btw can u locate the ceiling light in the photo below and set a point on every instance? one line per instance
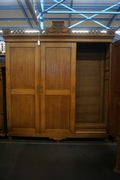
(80, 31)
(118, 32)
(104, 32)
(32, 31)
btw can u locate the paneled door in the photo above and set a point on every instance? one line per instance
(58, 89)
(114, 90)
(22, 80)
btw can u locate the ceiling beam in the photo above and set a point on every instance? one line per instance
(40, 11)
(40, 16)
(31, 10)
(82, 12)
(86, 7)
(24, 12)
(71, 5)
(113, 18)
(40, 7)
(88, 17)
(57, 18)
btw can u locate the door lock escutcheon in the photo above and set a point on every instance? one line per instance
(40, 89)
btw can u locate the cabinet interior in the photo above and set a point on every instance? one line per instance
(92, 77)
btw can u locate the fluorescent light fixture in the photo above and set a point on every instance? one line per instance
(1, 31)
(18, 31)
(80, 31)
(104, 32)
(32, 31)
(118, 32)
(88, 31)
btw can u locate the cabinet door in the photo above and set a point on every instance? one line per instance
(114, 90)
(58, 86)
(22, 71)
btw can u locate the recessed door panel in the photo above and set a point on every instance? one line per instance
(58, 83)
(22, 70)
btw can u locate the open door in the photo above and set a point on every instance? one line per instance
(114, 90)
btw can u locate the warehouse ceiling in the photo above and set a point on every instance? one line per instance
(77, 14)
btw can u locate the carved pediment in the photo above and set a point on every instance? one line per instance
(58, 28)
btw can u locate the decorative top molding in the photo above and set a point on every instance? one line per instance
(110, 32)
(6, 32)
(58, 28)
(20, 32)
(94, 32)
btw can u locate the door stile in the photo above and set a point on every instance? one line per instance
(37, 85)
(42, 84)
(73, 87)
(8, 88)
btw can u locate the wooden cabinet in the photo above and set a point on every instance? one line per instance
(60, 88)
(2, 97)
(40, 92)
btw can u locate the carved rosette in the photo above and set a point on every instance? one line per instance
(58, 28)
(6, 32)
(110, 32)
